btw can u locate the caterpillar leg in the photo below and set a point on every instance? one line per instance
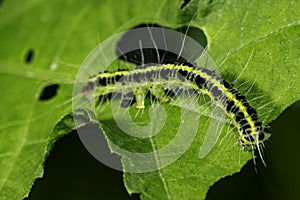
(140, 99)
(159, 93)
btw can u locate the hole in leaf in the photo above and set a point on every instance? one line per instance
(185, 3)
(195, 33)
(137, 39)
(49, 92)
(29, 56)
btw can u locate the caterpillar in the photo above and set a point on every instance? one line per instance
(158, 77)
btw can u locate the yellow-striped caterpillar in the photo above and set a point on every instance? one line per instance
(159, 78)
(168, 73)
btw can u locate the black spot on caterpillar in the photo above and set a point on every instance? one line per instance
(156, 79)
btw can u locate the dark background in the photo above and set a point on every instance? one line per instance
(72, 173)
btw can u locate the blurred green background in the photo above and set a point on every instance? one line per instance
(72, 173)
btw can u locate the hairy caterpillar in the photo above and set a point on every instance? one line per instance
(156, 78)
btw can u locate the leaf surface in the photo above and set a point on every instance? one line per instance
(60, 34)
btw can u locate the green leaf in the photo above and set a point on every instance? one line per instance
(253, 45)
(266, 41)
(62, 33)
(188, 177)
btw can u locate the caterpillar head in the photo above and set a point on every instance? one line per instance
(253, 140)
